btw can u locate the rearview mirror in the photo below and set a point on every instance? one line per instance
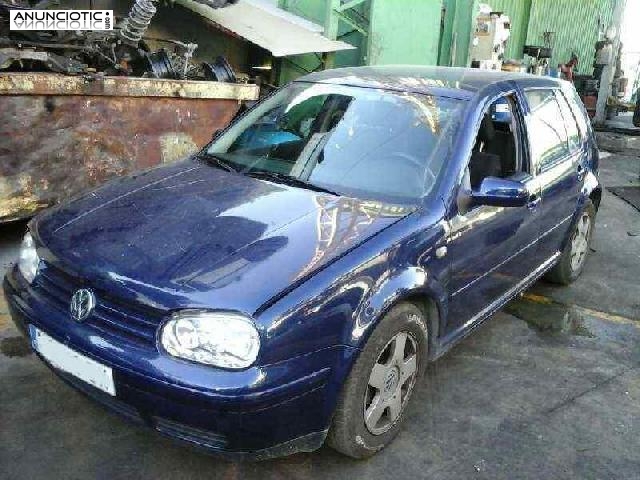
(500, 192)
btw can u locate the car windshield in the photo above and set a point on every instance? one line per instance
(359, 142)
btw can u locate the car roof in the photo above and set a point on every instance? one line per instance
(440, 81)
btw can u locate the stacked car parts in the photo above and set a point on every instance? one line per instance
(122, 51)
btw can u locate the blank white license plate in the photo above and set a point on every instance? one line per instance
(72, 362)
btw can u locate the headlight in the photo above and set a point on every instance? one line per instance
(227, 340)
(29, 260)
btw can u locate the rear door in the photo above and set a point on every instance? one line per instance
(556, 153)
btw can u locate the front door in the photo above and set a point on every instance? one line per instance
(492, 249)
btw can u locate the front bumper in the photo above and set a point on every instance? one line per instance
(260, 412)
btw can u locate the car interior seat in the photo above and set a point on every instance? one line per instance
(494, 154)
(484, 163)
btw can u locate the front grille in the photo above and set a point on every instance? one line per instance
(111, 317)
(199, 437)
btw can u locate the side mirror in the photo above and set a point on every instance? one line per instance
(500, 192)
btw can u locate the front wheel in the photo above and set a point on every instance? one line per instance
(374, 398)
(575, 253)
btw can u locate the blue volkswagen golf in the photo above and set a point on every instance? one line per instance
(288, 284)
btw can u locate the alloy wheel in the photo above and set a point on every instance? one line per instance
(580, 242)
(390, 383)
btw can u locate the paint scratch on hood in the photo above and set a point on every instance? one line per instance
(119, 197)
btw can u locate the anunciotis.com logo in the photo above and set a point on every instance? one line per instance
(61, 19)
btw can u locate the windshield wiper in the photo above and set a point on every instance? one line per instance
(274, 176)
(289, 180)
(217, 161)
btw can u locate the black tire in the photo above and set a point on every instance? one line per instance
(349, 434)
(564, 273)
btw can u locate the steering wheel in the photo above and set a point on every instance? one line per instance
(420, 166)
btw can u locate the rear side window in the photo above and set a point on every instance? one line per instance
(547, 132)
(578, 111)
(570, 122)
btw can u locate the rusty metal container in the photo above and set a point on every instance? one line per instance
(61, 134)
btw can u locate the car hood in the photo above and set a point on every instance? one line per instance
(191, 235)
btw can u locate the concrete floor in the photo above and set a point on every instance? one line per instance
(549, 388)
(623, 122)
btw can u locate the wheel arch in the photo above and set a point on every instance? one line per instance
(413, 284)
(431, 310)
(591, 190)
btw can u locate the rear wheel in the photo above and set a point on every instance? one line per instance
(374, 397)
(575, 253)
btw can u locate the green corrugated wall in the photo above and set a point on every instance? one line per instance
(576, 23)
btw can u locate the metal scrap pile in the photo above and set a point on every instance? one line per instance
(122, 51)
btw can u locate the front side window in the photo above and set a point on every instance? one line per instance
(547, 132)
(496, 152)
(359, 142)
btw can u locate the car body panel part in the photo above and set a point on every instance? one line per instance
(303, 231)
(157, 386)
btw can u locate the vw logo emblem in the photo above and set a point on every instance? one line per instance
(82, 304)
